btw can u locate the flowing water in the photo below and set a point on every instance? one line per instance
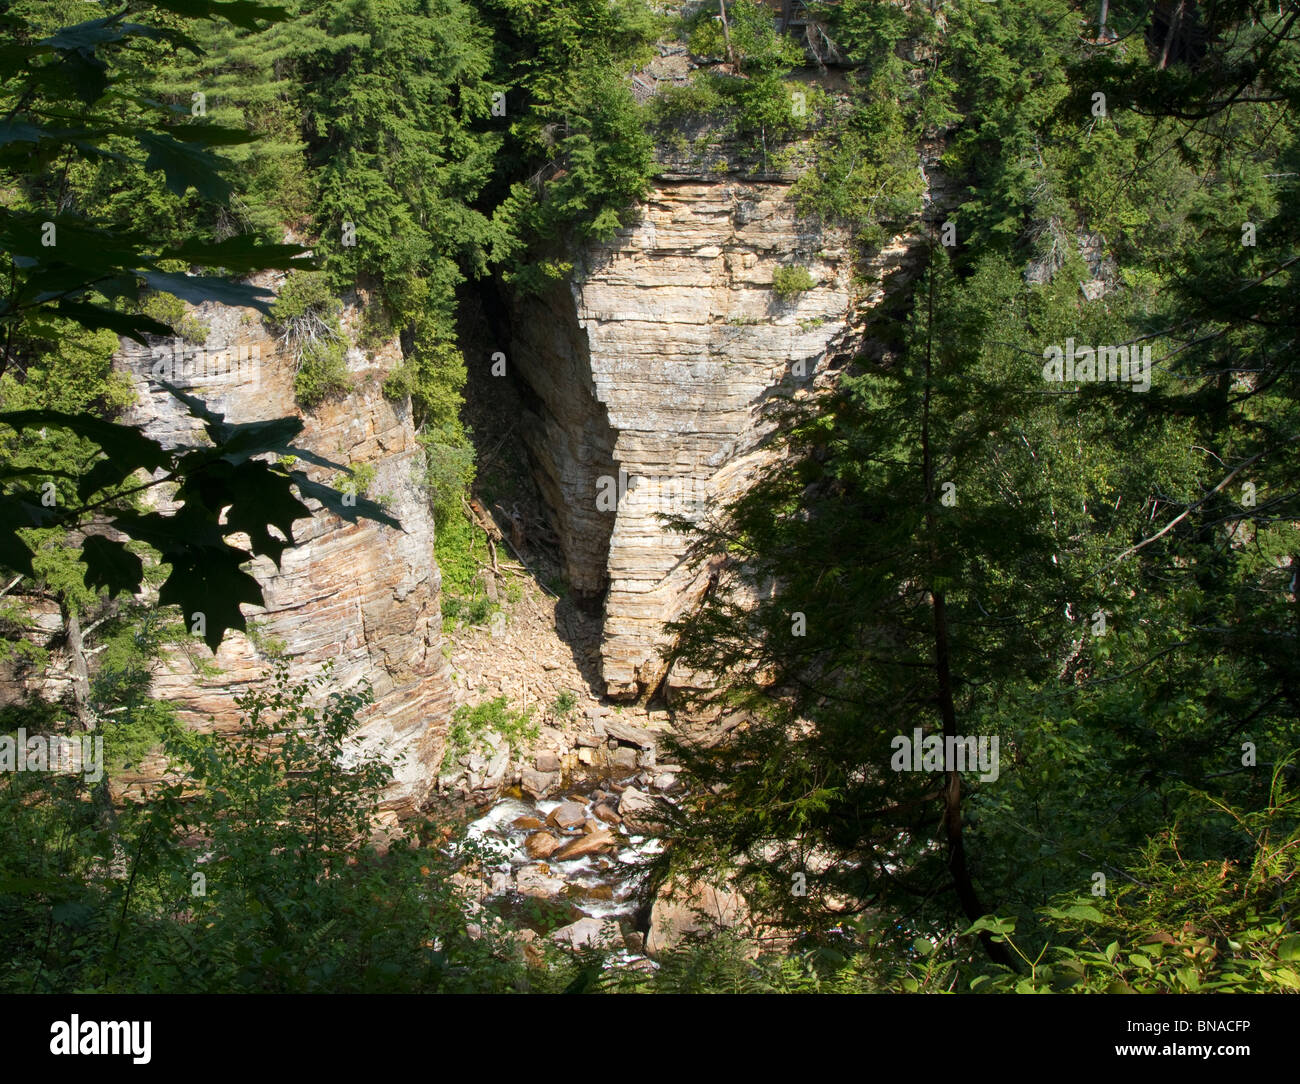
(546, 894)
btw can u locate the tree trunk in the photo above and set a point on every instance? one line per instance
(1175, 21)
(101, 796)
(77, 665)
(726, 35)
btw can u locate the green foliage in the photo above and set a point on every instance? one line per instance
(564, 704)
(1204, 909)
(789, 282)
(170, 310)
(458, 548)
(462, 556)
(470, 727)
(755, 45)
(469, 611)
(700, 100)
(748, 99)
(322, 373)
(449, 470)
(255, 871)
(70, 115)
(864, 171)
(358, 483)
(305, 316)
(577, 150)
(972, 613)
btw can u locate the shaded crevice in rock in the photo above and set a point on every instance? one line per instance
(566, 430)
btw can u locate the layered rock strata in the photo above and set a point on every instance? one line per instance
(362, 596)
(649, 371)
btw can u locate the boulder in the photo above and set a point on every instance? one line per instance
(495, 775)
(541, 845)
(528, 824)
(623, 758)
(639, 812)
(695, 907)
(567, 815)
(547, 762)
(537, 881)
(597, 841)
(538, 784)
(632, 735)
(606, 812)
(588, 933)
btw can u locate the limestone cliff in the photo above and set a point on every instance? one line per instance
(363, 595)
(649, 370)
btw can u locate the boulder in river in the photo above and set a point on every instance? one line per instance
(541, 845)
(567, 815)
(597, 841)
(588, 932)
(537, 881)
(638, 811)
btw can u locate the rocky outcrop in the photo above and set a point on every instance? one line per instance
(649, 372)
(362, 596)
(679, 911)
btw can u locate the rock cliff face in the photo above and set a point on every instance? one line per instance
(649, 371)
(363, 596)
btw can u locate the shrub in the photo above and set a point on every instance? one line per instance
(789, 282)
(272, 826)
(322, 372)
(472, 611)
(306, 316)
(170, 310)
(471, 725)
(448, 471)
(358, 483)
